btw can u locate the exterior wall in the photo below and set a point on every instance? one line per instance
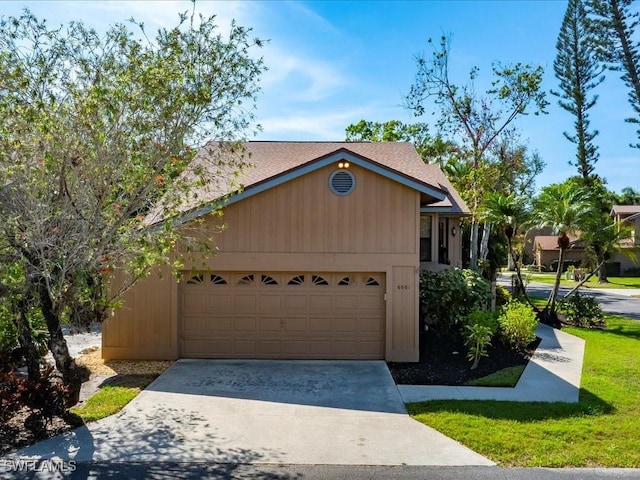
(545, 257)
(298, 226)
(625, 262)
(145, 327)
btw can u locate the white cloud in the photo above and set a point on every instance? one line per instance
(312, 125)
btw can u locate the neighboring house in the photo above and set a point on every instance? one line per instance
(629, 214)
(546, 251)
(545, 247)
(319, 260)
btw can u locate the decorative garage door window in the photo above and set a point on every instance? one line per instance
(285, 280)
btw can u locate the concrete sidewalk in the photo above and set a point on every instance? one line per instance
(552, 375)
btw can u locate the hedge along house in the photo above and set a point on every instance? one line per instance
(319, 259)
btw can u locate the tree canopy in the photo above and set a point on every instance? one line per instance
(94, 130)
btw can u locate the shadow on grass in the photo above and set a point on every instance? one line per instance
(623, 331)
(589, 405)
(129, 380)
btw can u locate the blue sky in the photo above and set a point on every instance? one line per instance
(333, 63)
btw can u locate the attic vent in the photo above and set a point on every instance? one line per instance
(342, 182)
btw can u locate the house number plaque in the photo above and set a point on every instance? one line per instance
(403, 287)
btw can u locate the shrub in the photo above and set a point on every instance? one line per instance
(581, 310)
(503, 296)
(479, 330)
(450, 295)
(518, 324)
(632, 272)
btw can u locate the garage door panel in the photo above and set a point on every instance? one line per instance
(244, 325)
(322, 302)
(276, 315)
(371, 325)
(346, 302)
(345, 324)
(269, 324)
(320, 324)
(243, 303)
(295, 324)
(295, 302)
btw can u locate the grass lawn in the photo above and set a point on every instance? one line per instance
(614, 282)
(112, 398)
(603, 429)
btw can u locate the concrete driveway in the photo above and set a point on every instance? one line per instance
(263, 412)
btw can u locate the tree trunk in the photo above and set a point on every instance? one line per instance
(473, 245)
(602, 271)
(551, 304)
(484, 244)
(72, 376)
(25, 339)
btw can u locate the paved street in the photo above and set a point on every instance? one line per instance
(185, 471)
(612, 301)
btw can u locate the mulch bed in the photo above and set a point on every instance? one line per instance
(443, 361)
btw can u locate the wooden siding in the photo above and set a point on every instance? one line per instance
(146, 326)
(304, 216)
(298, 226)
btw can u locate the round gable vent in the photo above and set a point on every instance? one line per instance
(342, 182)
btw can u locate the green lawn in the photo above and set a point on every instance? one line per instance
(614, 282)
(603, 429)
(112, 398)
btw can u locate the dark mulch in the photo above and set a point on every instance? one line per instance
(23, 428)
(443, 361)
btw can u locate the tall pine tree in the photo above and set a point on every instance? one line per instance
(612, 26)
(578, 71)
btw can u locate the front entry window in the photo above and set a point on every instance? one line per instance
(425, 238)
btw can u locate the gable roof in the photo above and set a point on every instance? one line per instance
(550, 242)
(618, 209)
(271, 163)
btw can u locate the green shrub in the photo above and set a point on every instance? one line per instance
(450, 295)
(581, 310)
(503, 296)
(518, 324)
(480, 327)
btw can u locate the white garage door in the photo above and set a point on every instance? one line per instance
(282, 315)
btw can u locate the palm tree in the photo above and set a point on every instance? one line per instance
(565, 208)
(509, 213)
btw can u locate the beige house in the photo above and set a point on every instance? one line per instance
(545, 247)
(546, 251)
(629, 214)
(319, 260)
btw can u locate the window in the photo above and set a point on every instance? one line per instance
(218, 280)
(318, 280)
(297, 280)
(246, 280)
(196, 279)
(267, 280)
(345, 281)
(425, 238)
(372, 282)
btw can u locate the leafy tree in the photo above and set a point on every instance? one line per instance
(94, 131)
(612, 25)
(628, 196)
(510, 213)
(430, 148)
(564, 208)
(475, 121)
(578, 71)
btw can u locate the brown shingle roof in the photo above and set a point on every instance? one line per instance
(625, 209)
(267, 160)
(550, 242)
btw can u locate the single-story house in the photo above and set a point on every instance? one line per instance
(319, 259)
(546, 251)
(545, 247)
